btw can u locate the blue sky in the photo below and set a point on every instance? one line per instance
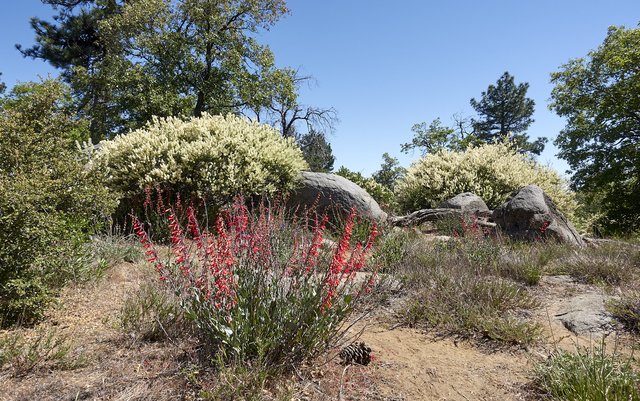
(388, 65)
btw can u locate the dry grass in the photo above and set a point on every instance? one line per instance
(117, 337)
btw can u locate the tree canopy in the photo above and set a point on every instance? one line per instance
(505, 111)
(317, 152)
(130, 60)
(435, 136)
(390, 172)
(599, 95)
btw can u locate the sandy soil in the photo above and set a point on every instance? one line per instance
(407, 365)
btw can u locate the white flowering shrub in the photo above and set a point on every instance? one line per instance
(491, 171)
(212, 156)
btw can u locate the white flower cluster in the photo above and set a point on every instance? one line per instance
(491, 171)
(217, 156)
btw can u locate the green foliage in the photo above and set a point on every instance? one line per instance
(436, 137)
(212, 156)
(505, 112)
(380, 193)
(491, 171)
(152, 314)
(390, 172)
(316, 150)
(130, 60)
(588, 375)
(599, 97)
(49, 203)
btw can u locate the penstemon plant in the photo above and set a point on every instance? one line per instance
(261, 286)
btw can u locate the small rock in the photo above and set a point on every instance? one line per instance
(467, 202)
(585, 314)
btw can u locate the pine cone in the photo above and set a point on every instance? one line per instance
(357, 353)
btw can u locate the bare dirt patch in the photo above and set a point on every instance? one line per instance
(407, 364)
(112, 368)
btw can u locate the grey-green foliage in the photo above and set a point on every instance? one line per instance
(49, 204)
(600, 98)
(591, 374)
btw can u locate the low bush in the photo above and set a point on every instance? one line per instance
(49, 203)
(458, 290)
(609, 264)
(113, 249)
(491, 171)
(626, 310)
(22, 354)
(589, 374)
(151, 313)
(258, 287)
(393, 249)
(462, 304)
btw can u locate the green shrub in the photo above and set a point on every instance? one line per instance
(588, 375)
(392, 249)
(112, 249)
(211, 157)
(491, 171)
(382, 194)
(49, 203)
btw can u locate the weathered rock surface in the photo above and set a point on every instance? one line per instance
(335, 195)
(467, 202)
(585, 314)
(530, 214)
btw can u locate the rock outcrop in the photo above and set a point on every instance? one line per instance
(467, 202)
(335, 195)
(530, 214)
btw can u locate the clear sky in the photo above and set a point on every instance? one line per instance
(386, 65)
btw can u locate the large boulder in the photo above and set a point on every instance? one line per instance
(335, 195)
(467, 202)
(531, 215)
